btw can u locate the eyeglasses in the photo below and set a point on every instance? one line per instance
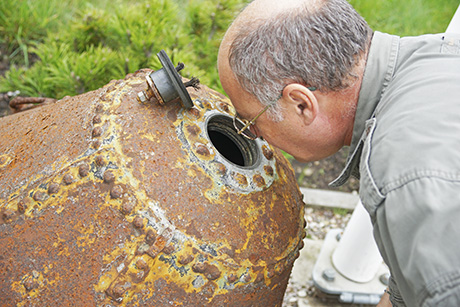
(243, 127)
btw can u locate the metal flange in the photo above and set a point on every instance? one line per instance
(166, 84)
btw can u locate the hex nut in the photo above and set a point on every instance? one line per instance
(329, 274)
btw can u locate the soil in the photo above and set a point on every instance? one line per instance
(318, 174)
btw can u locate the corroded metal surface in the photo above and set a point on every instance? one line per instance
(109, 202)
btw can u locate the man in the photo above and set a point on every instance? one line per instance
(310, 76)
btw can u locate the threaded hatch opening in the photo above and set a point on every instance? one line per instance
(232, 146)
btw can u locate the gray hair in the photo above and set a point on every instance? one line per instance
(319, 48)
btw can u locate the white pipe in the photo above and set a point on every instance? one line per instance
(357, 256)
(454, 25)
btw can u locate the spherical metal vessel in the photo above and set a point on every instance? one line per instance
(106, 201)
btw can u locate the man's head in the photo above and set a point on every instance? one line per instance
(273, 54)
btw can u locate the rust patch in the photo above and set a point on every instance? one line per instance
(137, 216)
(268, 170)
(258, 180)
(240, 178)
(53, 188)
(202, 150)
(268, 153)
(193, 129)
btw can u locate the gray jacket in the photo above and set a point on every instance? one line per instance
(406, 151)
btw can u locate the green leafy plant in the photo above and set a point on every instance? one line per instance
(102, 44)
(66, 47)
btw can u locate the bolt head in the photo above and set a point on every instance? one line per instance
(142, 97)
(385, 279)
(329, 274)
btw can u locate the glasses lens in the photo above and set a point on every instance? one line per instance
(239, 125)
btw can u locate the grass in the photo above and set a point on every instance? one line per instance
(408, 17)
(79, 45)
(82, 49)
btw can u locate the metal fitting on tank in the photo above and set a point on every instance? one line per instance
(166, 84)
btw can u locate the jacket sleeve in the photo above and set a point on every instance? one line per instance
(417, 228)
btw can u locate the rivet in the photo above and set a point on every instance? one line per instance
(97, 131)
(385, 278)
(127, 207)
(338, 236)
(246, 278)
(150, 237)
(116, 192)
(22, 206)
(99, 107)
(270, 273)
(297, 254)
(268, 153)
(220, 168)
(83, 170)
(268, 170)
(152, 252)
(228, 251)
(5, 160)
(185, 259)
(109, 177)
(172, 115)
(304, 234)
(118, 291)
(198, 267)
(202, 150)
(7, 215)
(138, 222)
(260, 277)
(193, 130)
(224, 107)
(141, 264)
(240, 178)
(53, 188)
(210, 271)
(301, 244)
(194, 112)
(168, 250)
(258, 180)
(279, 269)
(39, 196)
(329, 274)
(68, 179)
(232, 278)
(213, 272)
(254, 258)
(100, 160)
(97, 144)
(28, 284)
(97, 119)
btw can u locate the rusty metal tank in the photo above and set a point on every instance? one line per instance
(106, 201)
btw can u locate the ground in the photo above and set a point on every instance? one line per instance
(319, 174)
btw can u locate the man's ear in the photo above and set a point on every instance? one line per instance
(301, 100)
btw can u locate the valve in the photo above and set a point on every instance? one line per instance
(166, 84)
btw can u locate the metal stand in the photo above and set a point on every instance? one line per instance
(349, 265)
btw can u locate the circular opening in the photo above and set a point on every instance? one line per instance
(232, 146)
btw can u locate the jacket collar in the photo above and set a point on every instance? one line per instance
(380, 66)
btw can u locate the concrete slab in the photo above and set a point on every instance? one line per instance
(330, 199)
